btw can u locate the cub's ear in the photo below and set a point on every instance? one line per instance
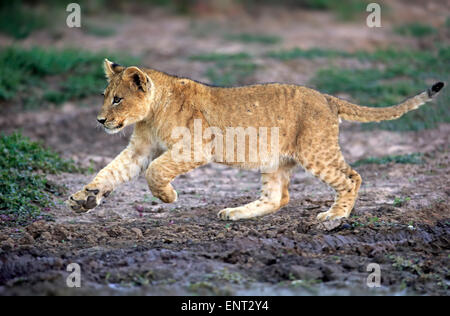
(111, 68)
(137, 78)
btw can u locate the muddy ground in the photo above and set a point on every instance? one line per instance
(134, 244)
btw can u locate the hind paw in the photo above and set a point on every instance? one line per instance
(233, 214)
(331, 215)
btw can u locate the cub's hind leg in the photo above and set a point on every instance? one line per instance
(320, 154)
(341, 177)
(346, 182)
(274, 196)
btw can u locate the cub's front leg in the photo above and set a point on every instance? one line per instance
(161, 173)
(127, 165)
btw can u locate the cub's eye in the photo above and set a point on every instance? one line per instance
(117, 100)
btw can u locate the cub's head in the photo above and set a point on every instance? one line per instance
(127, 97)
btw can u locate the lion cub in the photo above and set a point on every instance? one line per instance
(180, 124)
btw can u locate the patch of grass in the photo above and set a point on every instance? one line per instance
(399, 201)
(130, 279)
(220, 57)
(19, 21)
(202, 286)
(254, 38)
(415, 29)
(344, 9)
(24, 190)
(98, 30)
(227, 69)
(415, 158)
(307, 53)
(224, 275)
(402, 74)
(230, 73)
(403, 264)
(36, 76)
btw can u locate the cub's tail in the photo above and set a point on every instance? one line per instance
(352, 112)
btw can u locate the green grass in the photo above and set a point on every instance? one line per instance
(38, 76)
(307, 54)
(19, 21)
(220, 57)
(227, 69)
(25, 193)
(415, 158)
(233, 73)
(249, 38)
(415, 29)
(98, 30)
(403, 74)
(399, 201)
(343, 9)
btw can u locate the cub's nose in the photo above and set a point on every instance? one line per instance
(101, 120)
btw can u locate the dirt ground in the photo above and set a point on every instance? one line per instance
(134, 244)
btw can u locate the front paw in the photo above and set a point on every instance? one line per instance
(86, 199)
(166, 194)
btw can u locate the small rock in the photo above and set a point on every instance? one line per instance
(147, 232)
(329, 273)
(303, 228)
(46, 236)
(61, 233)
(90, 239)
(93, 264)
(138, 232)
(305, 273)
(27, 239)
(346, 226)
(330, 225)
(8, 244)
(35, 229)
(349, 264)
(58, 263)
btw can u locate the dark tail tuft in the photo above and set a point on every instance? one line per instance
(435, 88)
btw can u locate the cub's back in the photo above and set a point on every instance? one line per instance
(265, 105)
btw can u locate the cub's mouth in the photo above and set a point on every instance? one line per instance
(113, 129)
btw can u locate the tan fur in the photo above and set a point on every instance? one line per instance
(157, 103)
